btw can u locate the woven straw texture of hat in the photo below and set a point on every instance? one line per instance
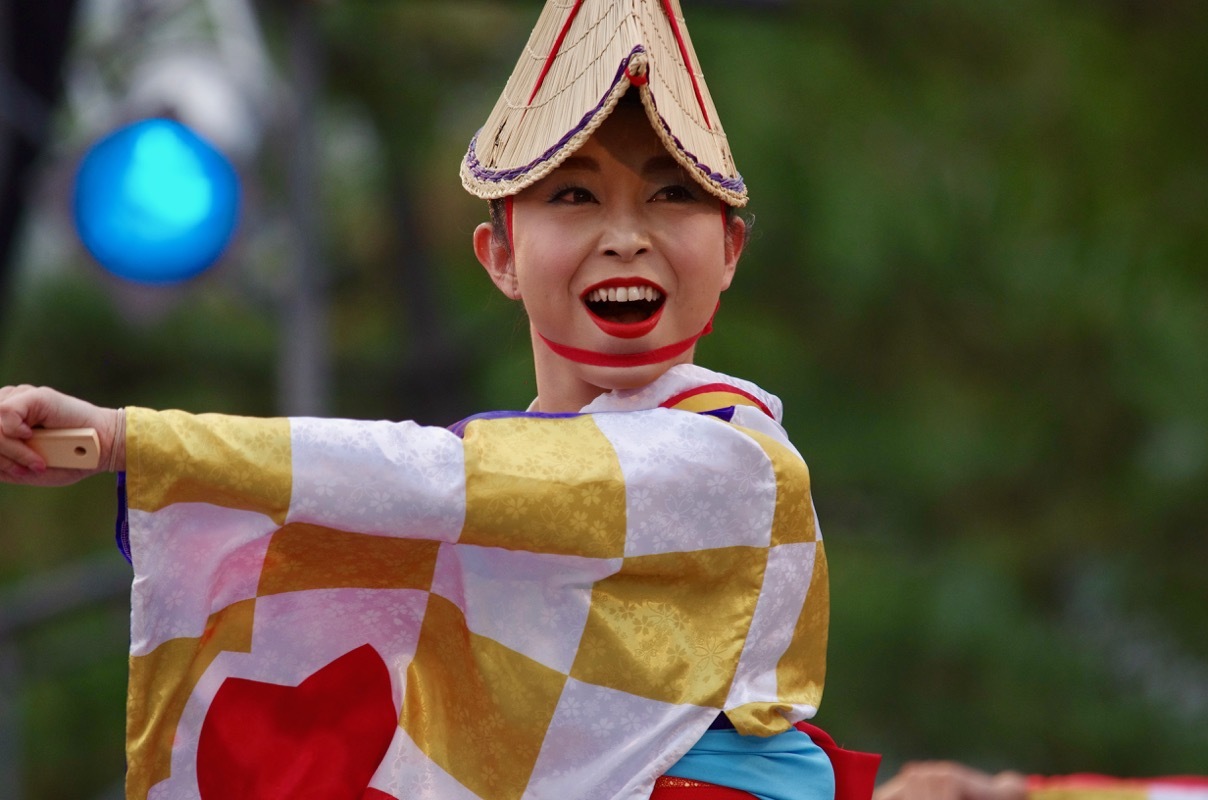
(582, 56)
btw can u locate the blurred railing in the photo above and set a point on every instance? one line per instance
(32, 605)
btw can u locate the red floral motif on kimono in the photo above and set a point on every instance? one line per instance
(321, 739)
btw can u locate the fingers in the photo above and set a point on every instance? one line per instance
(920, 782)
(8, 467)
(17, 459)
(1011, 785)
(948, 780)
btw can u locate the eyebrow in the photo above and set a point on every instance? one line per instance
(663, 163)
(655, 165)
(585, 163)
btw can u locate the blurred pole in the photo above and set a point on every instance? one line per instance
(34, 39)
(304, 370)
(10, 721)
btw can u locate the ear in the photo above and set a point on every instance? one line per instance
(736, 240)
(496, 259)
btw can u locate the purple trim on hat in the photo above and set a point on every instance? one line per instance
(500, 176)
(734, 184)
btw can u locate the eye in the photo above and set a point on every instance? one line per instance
(572, 195)
(675, 193)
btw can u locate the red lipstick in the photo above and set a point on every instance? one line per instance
(625, 328)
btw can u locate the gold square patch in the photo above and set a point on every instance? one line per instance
(671, 626)
(234, 462)
(302, 556)
(544, 485)
(475, 707)
(793, 518)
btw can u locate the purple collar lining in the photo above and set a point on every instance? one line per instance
(726, 414)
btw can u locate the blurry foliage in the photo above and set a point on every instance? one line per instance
(977, 278)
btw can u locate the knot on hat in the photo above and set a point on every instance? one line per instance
(636, 69)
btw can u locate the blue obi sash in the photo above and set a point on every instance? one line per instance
(787, 766)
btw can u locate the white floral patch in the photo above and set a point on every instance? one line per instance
(728, 500)
(580, 758)
(408, 774)
(389, 478)
(533, 603)
(191, 560)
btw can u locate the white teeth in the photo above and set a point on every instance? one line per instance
(623, 294)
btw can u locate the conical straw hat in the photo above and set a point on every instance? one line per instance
(581, 58)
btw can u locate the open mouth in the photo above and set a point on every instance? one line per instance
(624, 308)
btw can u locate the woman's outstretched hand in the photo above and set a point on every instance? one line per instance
(948, 780)
(24, 408)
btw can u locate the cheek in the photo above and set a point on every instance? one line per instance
(547, 258)
(537, 241)
(701, 254)
(544, 285)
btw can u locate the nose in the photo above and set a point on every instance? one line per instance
(625, 236)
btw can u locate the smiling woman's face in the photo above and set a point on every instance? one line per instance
(619, 257)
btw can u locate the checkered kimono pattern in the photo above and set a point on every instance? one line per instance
(526, 606)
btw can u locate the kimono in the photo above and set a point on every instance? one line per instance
(523, 606)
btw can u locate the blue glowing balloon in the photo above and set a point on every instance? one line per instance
(155, 203)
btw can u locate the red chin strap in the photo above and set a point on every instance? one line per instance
(645, 358)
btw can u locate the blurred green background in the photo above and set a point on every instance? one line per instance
(978, 280)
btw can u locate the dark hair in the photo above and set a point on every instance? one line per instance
(499, 224)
